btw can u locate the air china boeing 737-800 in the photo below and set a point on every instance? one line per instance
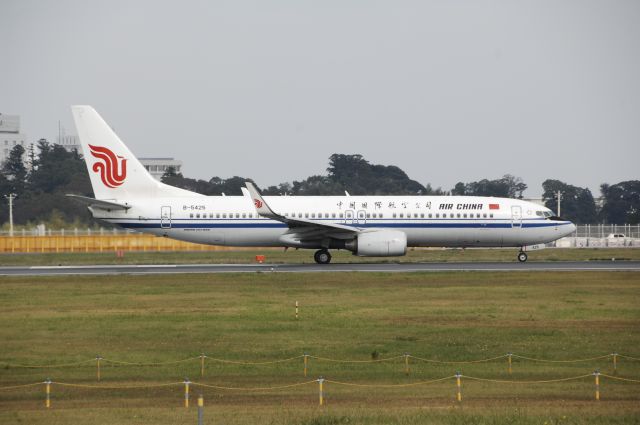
(377, 226)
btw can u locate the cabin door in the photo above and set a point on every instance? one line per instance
(165, 217)
(516, 216)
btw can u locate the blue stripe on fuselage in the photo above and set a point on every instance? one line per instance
(271, 225)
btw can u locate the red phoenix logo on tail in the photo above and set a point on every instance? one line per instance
(257, 203)
(112, 168)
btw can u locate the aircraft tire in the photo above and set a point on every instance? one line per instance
(322, 256)
(522, 257)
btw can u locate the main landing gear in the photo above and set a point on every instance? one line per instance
(522, 256)
(322, 256)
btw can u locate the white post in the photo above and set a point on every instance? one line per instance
(559, 198)
(10, 197)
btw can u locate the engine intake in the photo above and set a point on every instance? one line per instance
(380, 243)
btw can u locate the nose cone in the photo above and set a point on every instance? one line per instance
(570, 228)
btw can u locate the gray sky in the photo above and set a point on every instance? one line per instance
(446, 90)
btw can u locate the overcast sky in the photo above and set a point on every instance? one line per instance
(447, 90)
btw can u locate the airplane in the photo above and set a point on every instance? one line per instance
(370, 226)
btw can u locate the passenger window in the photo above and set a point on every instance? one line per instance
(313, 215)
(368, 215)
(237, 215)
(484, 215)
(394, 215)
(437, 215)
(458, 215)
(197, 215)
(464, 215)
(490, 215)
(299, 215)
(430, 215)
(380, 215)
(250, 215)
(333, 215)
(341, 215)
(401, 215)
(190, 215)
(217, 215)
(306, 215)
(244, 215)
(421, 215)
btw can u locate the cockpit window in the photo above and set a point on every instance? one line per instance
(544, 214)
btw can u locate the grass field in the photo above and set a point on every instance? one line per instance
(250, 317)
(278, 256)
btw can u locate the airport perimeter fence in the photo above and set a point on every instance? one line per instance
(38, 240)
(115, 242)
(322, 382)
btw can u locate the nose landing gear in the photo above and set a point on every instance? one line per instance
(522, 256)
(322, 256)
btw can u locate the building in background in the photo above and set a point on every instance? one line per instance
(10, 135)
(70, 142)
(157, 166)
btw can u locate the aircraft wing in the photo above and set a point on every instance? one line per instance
(300, 228)
(98, 203)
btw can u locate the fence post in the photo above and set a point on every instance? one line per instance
(186, 392)
(458, 386)
(596, 374)
(406, 364)
(47, 390)
(306, 361)
(202, 357)
(296, 310)
(98, 358)
(321, 391)
(615, 363)
(509, 356)
(200, 409)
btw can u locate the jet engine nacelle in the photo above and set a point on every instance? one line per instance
(380, 243)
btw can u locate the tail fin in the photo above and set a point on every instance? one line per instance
(115, 173)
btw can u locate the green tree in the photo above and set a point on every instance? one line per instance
(621, 202)
(577, 203)
(357, 176)
(15, 170)
(507, 186)
(459, 189)
(56, 168)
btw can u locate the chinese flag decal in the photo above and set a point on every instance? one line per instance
(494, 206)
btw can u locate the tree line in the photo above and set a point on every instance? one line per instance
(41, 181)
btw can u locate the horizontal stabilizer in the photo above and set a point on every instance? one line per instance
(97, 203)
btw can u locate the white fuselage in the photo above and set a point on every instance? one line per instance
(447, 221)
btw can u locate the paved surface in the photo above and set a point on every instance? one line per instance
(313, 268)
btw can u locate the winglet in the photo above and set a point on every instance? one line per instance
(259, 202)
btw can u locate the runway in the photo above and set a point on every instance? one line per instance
(315, 268)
